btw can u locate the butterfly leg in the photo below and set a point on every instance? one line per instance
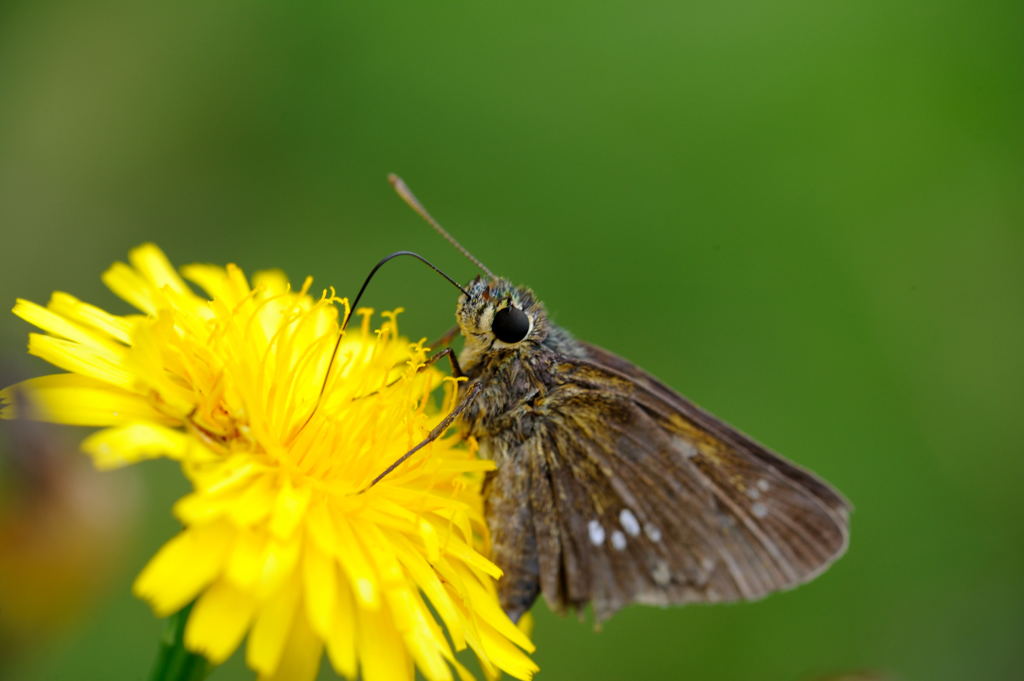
(435, 433)
(446, 339)
(450, 354)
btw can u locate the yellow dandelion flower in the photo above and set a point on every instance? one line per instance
(280, 540)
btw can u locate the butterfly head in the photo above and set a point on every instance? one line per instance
(494, 314)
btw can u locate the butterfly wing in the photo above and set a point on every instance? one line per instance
(624, 492)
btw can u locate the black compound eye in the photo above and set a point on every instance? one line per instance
(510, 325)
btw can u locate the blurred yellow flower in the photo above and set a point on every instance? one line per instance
(280, 542)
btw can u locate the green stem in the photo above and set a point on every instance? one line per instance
(173, 661)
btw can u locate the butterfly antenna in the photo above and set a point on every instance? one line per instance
(403, 191)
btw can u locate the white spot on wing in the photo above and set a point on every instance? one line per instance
(629, 522)
(685, 447)
(618, 540)
(661, 574)
(763, 485)
(759, 510)
(596, 532)
(753, 492)
(652, 532)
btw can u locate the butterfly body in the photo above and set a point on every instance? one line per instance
(612, 489)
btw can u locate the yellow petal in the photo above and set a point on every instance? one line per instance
(383, 553)
(80, 359)
(465, 553)
(218, 621)
(254, 502)
(278, 564)
(127, 444)
(503, 654)
(426, 642)
(382, 655)
(428, 581)
(182, 567)
(196, 508)
(216, 282)
(486, 607)
(156, 360)
(260, 564)
(270, 630)
(271, 282)
(525, 624)
(341, 637)
(59, 325)
(302, 650)
(320, 578)
(232, 486)
(151, 262)
(235, 474)
(79, 401)
(245, 560)
(289, 509)
(130, 287)
(335, 537)
(118, 328)
(431, 542)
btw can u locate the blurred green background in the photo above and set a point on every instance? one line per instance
(806, 216)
